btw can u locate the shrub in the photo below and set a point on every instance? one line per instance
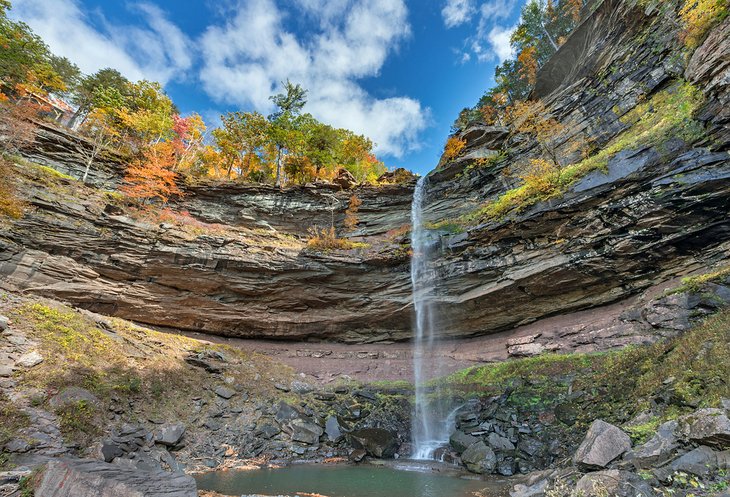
(326, 239)
(351, 219)
(453, 148)
(10, 205)
(699, 16)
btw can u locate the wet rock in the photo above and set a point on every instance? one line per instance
(708, 427)
(170, 435)
(225, 392)
(612, 482)
(333, 429)
(659, 449)
(306, 432)
(460, 441)
(479, 458)
(71, 396)
(78, 478)
(534, 490)
(357, 455)
(376, 441)
(603, 444)
(30, 360)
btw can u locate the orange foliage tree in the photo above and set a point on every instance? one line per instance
(528, 64)
(454, 146)
(151, 177)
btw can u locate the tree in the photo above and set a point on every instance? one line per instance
(69, 73)
(87, 93)
(282, 130)
(151, 177)
(101, 133)
(241, 140)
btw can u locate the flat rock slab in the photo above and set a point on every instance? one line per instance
(603, 443)
(80, 478)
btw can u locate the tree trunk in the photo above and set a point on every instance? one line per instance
(277, 181)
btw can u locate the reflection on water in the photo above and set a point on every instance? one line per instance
(343, 481)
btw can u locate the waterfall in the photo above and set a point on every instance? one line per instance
(430, 424)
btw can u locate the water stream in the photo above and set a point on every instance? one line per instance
(432, 422)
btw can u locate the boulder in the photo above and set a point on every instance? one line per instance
(357, 455)
(612, 482)
(225, 392)
(499, 443)
(376, 441)
(301, 387)
(4, 323)
(30, 360)
(305, 431)
(700, 462)
(460, 441)
(79, 478)
(72, 395)
(659, 449)
(602, 444)
(479, 458)
(169, 435)
(707, 427)
(285, 412)
(344, 179)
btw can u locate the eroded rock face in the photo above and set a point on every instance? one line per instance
(658, 213)
(77, 478)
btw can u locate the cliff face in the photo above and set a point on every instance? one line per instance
(659, 212)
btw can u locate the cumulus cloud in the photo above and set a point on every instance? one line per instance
(457, 12)
(246, 59)
(499, 39)
(156, 50)
(490, 39)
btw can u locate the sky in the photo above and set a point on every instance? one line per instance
(398, 71)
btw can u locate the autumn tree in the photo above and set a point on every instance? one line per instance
(151, 176)
(101, 133)
(241, 141)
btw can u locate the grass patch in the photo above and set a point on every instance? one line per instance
(694, 284)
(669, 114)
(326, 239)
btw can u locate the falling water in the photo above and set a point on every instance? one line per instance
(430, 425)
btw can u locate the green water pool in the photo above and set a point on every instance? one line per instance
(346, 481)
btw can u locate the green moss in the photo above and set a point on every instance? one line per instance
(643, 432)
(79, 421)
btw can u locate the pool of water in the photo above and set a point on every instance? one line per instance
(346, 481)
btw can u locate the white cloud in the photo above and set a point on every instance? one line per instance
(156, 50)
(457, 12)
(490, 39)
(499, 38)
(247, 58)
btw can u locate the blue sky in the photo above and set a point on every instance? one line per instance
(398, 71)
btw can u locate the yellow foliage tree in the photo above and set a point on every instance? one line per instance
(453, 148)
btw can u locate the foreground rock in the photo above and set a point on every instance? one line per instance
(603, 443)
(78, 478)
